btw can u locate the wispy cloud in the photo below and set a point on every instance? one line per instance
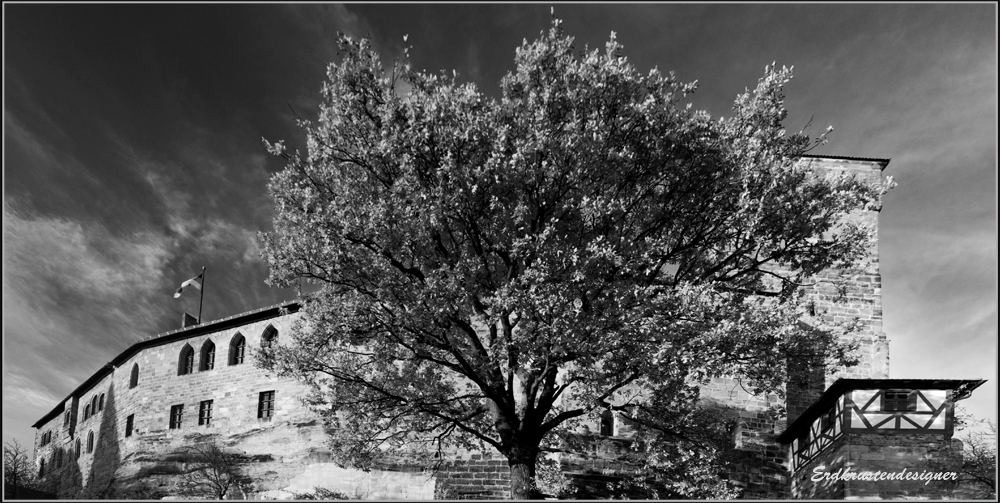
(73, 296)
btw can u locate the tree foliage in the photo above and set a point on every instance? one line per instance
(493, 271)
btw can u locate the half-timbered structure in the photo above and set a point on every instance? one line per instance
(871, 426)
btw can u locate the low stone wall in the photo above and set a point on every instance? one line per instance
(474, 476)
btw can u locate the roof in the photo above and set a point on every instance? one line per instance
(841, 386)
(263, 313)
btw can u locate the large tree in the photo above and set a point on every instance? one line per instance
(492, 271)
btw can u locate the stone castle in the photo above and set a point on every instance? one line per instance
(132, 419)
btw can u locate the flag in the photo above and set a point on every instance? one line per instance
(195, 282)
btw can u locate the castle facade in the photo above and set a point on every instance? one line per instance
(134, 417)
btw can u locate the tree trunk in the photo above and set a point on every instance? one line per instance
(522, 473)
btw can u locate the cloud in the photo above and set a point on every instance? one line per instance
(37, 159)
(61, 268)
(322, 25)
(73, 294)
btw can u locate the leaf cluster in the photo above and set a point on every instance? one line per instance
(490, 270)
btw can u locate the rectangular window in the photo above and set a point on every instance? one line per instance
(176, 416)
(205, 413)
(899, 401)
(265, 407)
(129, 424)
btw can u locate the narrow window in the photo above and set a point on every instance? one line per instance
(207, 356)
(828, 419)
(133, 380)
(66, 419)
(899, 401)
(270, 337)
(176, 415)
(86, 412)
(129, 423)
(90, 442)
(186, 363)
(59, 457)
(93, 406)
(265, 407)
(607, 424)
(205, 413)
(41, 468)
(78, 448)
(100, 404)
(237, 349)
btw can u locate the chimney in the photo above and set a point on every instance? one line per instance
(188, 321)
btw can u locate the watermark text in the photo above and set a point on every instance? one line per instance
(820, 474)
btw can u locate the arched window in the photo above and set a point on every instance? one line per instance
(237, 349)
(93, 405)
(90, 442)
(269, 338)
(607, 424)
(186, 363)
(86, 412)
(66, 419)
(78, 448)
(100, 403)
(133, 380)
(41, 468)
(207, 356)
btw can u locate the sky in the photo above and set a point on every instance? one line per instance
(133, 153)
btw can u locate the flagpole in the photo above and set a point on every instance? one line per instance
(202, 300)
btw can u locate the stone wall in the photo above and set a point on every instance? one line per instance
(844, 296)
(284, 456)
(280, 448)
(474, 476)
(889, 453)
(834, 458)
(838, 296)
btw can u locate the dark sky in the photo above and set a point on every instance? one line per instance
(133, 154)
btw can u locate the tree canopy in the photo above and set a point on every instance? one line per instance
(492, 271)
